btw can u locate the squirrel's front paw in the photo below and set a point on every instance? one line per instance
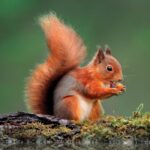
(119, 89)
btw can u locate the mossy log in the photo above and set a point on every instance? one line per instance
(21, 127)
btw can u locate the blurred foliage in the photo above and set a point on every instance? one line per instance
(123, 25)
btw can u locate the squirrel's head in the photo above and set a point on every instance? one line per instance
(107, 66)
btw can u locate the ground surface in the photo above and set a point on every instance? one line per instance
(25, 128)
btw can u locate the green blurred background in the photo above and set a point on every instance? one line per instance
(122, 24)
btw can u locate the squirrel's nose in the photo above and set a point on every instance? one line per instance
(120, 80)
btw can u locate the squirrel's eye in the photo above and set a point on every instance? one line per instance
(109, 68)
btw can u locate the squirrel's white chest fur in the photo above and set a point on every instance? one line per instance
(85, 107)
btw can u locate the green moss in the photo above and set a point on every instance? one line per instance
(138, 125)
(109, 127)
(32, 130)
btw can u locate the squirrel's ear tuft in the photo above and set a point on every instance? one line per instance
(107, 50)
(99, 56)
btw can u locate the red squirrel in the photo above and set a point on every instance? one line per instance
(61, 87)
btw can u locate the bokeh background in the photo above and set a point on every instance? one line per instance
(122, 24)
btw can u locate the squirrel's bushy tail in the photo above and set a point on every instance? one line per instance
(67, 51)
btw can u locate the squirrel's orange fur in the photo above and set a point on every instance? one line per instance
(60, 87)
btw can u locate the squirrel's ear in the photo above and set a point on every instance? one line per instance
(107, 50)
(99, 56)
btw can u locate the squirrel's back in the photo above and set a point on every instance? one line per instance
(66, 52)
